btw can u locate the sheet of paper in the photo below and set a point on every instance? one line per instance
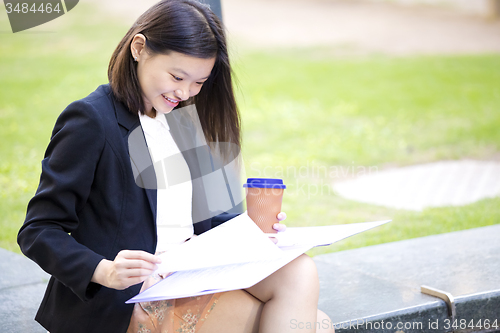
(217, 279)
(236, 241)
(243, 275)
(322, 235)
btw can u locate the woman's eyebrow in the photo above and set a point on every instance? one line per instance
(186, 74)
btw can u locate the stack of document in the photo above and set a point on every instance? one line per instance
(237, 255)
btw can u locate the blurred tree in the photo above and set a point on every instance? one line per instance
(215, 5)
(494, 8)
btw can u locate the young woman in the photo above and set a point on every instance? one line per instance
(94, 224)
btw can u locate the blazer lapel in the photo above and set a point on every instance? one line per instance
(198, 160)
(142, 165)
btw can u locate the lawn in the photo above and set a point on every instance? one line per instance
(302, 114)
(314, 121)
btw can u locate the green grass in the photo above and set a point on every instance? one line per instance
(371, 111)
(315, 121)
(301, 113)
(42, 70)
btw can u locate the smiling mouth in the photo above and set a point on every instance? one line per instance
(171, 100)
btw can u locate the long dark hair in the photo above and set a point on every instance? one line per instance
(191, 28)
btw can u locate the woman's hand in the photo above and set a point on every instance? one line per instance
(128, 268)
(279, 226)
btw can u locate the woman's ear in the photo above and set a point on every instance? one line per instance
(137, 46)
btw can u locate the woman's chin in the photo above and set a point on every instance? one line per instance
(163, 110)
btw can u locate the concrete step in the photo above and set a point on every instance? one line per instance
(22, 285)
(383, 282)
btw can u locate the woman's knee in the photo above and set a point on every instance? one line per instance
(306, 264)
(297, 279)
(303, 269)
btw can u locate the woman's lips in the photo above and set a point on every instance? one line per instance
(170, 101)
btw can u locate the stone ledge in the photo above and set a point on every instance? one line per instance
(22, 285)
(383, 282)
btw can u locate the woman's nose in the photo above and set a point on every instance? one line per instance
(181, 94)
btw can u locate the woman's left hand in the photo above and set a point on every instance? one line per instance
(280, 227)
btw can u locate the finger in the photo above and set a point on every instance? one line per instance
(133, 275)
(280, 227)
(143, 255)
(132, 263)
(281, 216)
(131, 281)
(138, 272)
(123, 280)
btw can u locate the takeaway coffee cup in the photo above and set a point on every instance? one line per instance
(264, 197)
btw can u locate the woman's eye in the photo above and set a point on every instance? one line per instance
(200, 83)
(176, 78)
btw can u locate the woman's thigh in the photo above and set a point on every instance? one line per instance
(300, 276)
(241, 310)
(235, 312)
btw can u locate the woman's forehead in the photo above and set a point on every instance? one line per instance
(186, 65)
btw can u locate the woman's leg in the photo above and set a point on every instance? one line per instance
(235, 312)
(290, 296)
(283, 302)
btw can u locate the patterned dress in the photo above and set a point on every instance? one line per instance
(182, 315)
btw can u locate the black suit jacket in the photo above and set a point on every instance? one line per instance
(88, 207)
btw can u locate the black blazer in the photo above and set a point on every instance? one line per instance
(88, 207)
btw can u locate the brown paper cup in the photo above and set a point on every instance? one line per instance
(263, 205)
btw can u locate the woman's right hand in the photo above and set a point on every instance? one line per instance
(128, 268)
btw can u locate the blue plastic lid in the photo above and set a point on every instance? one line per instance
(264, 183)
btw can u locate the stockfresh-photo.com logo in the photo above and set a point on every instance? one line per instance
(27, 14)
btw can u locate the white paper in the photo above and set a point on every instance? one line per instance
(217, 279)
(245, 274)
(236, 241)
(322, 235)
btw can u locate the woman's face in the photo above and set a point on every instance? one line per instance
(168, 79)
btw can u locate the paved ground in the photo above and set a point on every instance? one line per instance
(22, 285)
(447, 183)
(360, 26)
(347, 26)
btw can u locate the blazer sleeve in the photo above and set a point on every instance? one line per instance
(221, 218)
(67, 175)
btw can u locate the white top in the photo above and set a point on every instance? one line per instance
(173, 214)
